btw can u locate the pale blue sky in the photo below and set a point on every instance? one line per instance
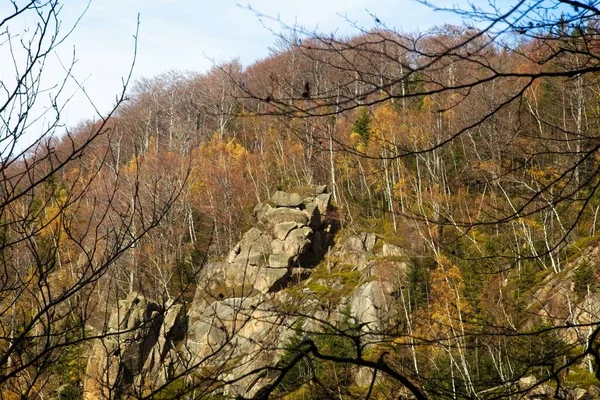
(185, 35)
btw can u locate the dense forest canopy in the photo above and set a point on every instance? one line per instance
(473, 150)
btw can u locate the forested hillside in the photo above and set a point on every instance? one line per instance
(378, 216)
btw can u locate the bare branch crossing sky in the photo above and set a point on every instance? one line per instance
(189, 36)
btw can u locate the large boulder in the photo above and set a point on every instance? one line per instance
(390, 250)
(280, 260)
(203, 341)
(284, 199)
(261, 210)
(319, 189)
(253, 249)
(370, 306)
(316, 207)
(356, 249)
(297, 242)
(243, 329)
(282, 229)
(323, 201)
(213, 327)
(258, 344)
(275, 216)
(132, 312)
(272, 278)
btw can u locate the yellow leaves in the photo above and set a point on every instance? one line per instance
(402, 340)
(428, 102)
(385, 114)
(446, 280)
(401, 186)
(221, 148)
(197, 186)
(489, 166)
(236, 150)
(361, 147)
(219, 168)
(354, 139)
(478, 235)
(447, 305)
(529, 223)
(345, 165)
(543, 176)
(131, 167)
(54, 210)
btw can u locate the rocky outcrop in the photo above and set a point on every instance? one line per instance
(292, 231)
(232, 325)
(137, 347)
(283, 199)
(357, 249)
(163, 358)
(557, 302)
(239, 319)
(246, 330)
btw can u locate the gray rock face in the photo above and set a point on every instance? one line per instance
(280, 260)
(162, 360)
(323, 201)
(263, 257)
(282, 229)
(356, 249)
(278, 246)
(370, 307)
(297, 242)
(211, 328)
(240, 329)
(354, 244)
(132, 312)
(141, 335)
(253, 249)
(279, 215)
(260, 210)
(284, 199)
(316, 207)
(284, 238)
(319, 189)
(269, 277)
(390, 250)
